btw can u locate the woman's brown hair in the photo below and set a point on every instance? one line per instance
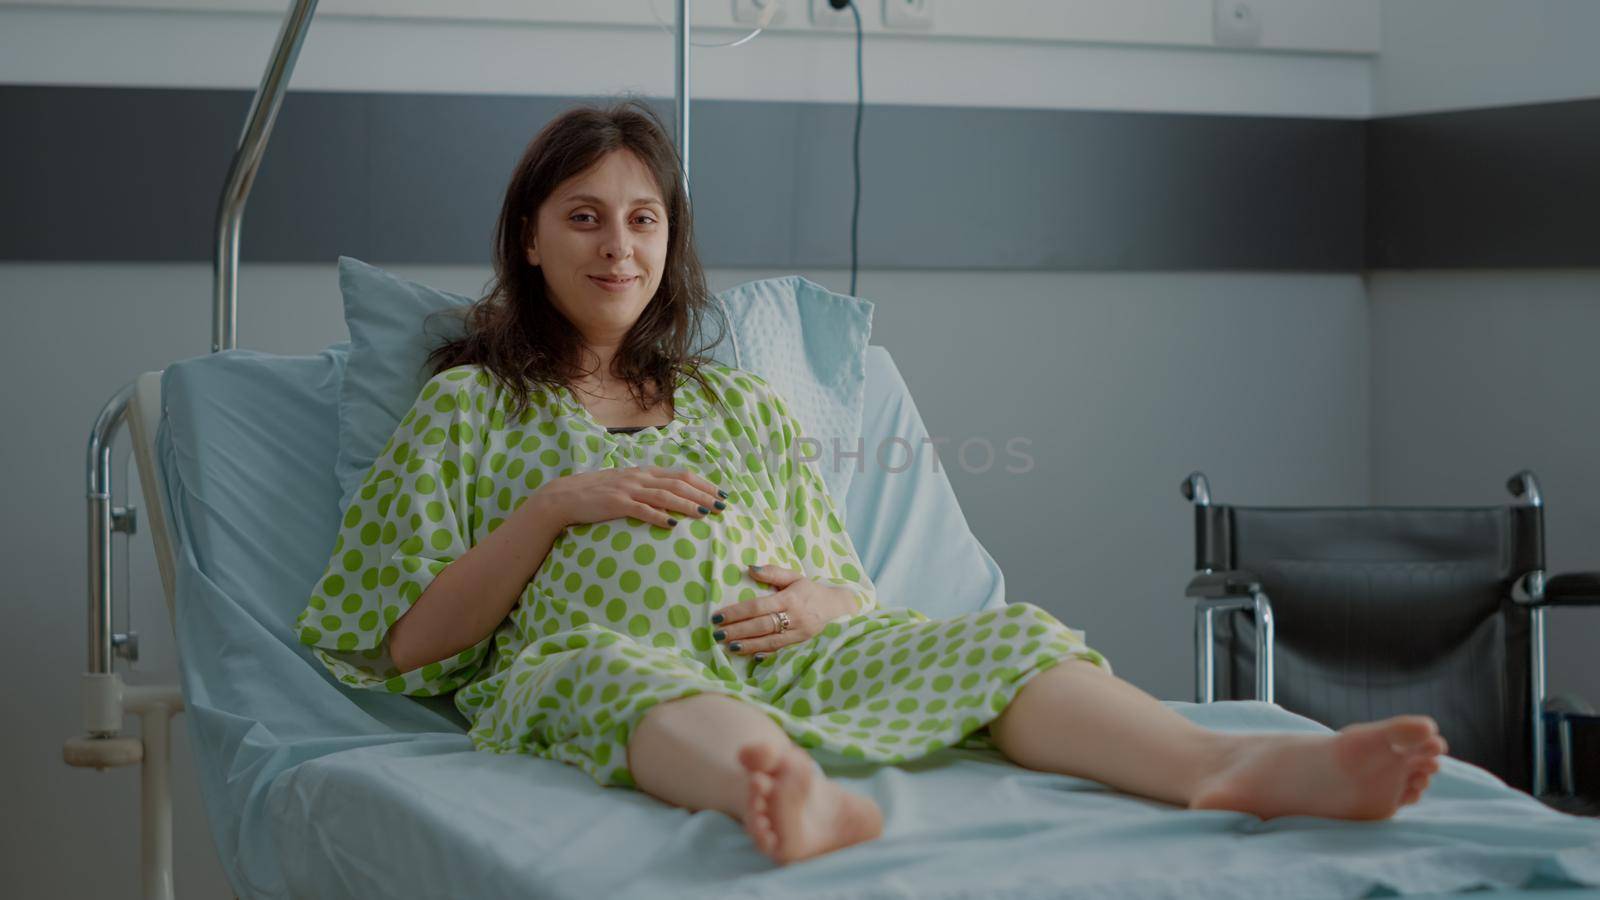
(519, 336)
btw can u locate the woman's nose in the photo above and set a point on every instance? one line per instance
(617, 243)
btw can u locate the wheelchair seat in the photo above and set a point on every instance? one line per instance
(1350, 614)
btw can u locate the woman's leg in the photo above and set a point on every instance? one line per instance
(685, 751)
(712, 751)
(1077, 719)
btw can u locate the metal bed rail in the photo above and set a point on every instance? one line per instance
(242, 172)
(106, 697)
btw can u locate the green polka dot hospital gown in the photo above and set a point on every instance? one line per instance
(618, 616)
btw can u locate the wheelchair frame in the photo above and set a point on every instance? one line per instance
(1214, 592)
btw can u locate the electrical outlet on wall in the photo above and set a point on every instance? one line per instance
(1235, 23)
(749, 12)
(823, 15)
(908, 15)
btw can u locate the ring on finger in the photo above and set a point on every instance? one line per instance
(781, 622)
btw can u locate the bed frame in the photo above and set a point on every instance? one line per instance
(137, 405)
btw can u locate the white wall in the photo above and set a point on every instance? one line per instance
(1305, 26)
(1151, 55)
(1453, 54)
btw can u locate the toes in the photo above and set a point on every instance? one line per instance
(1421, 771)
(792, 772)
(1412, 736)
(766, 838)
(1414, 787)
(757, 757)
(1407, 733)
(759, 825)
(782, 765)
(1417, 784)
(1428, 753)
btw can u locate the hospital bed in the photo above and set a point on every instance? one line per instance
(312, 789)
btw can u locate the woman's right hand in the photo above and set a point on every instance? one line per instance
(651, 494)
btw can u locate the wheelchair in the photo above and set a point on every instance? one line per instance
(1348, 614)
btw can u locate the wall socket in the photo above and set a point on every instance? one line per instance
(1235, 23)
(749, 12)
(823, 15)
(908, 15)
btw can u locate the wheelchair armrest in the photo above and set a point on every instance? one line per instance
(1572, 589)
(1217, 585)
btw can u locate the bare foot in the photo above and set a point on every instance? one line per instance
(1366, 771)
(792, 813)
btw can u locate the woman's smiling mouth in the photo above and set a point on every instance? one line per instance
(613, 286)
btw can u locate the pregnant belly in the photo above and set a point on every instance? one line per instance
(654, 584)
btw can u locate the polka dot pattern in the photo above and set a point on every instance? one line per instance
(617, 617)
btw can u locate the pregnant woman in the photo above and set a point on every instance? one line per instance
(609, 548)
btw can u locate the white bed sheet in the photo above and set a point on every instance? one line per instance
(961, 824)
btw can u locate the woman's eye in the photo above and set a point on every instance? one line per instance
(650, 219)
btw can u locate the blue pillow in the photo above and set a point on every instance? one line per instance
(808, 342)
(388, 351)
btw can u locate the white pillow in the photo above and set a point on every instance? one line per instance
(810, 344)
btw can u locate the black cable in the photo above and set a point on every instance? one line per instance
(855, 206)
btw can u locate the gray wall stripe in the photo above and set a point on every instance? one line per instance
(1501, 187)
(119, 174)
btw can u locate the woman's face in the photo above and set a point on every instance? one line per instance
(607, 222)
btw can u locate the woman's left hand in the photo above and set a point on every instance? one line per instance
(750, 626)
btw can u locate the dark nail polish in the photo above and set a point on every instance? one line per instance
(671, 521)
(702, 509)
(721, 505)
(734, 647)
(760, 657)
(718, 635)
(717, 618)
(723, 494)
